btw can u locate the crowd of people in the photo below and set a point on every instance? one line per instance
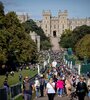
(61, 81)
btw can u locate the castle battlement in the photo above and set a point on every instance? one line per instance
(54, 18)
(46, 12)
(54, 26)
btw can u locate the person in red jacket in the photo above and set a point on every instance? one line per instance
(60, 86)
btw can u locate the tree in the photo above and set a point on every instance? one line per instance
(46, 45)
(1, 15)
(1, 9)
(3, 50)
(30, 25)
(16, 45)
(82, 48)
(70, 38)
(78, 33)
(66, 40)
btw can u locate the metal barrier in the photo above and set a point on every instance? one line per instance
(3, 94)
(15, 90)
(85, 68)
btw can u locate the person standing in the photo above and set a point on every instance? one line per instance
(88, 84)
(42, 84)
(81, 89)
(7, 74)
(20, 77)
(60, 87)
(50, 89)
(27, 89)
(6, 86)
(37, 87)
(68, 87)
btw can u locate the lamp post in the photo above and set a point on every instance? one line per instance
(79, 69)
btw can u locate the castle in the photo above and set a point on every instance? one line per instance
(54, 26)
(22, 18)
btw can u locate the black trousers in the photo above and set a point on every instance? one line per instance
(51, 96)
(81, 97)
(41, 90)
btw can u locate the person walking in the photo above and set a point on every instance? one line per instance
(88, 85)
(81, 89)
(27, 89)
(68, 86)
(20, 77)
(60, 87)
(42, 85)
(37, 87)
(6, 86)
(50, 89)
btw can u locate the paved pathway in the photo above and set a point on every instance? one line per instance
(58, 98)
(54, 42)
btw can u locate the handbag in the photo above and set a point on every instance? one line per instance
(52, 85)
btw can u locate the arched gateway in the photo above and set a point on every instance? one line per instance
(54, 34)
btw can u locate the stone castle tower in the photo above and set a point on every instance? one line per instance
(54, 26)
(23, 17)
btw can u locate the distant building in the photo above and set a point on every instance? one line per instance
(36, 39)
(23, 17)
(54, 26)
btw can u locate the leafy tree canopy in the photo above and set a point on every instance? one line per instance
(1, 9)
(1, 15)
(16, 46)
(79, 32)
(30, 25)
(82, 48)
(70, 38)
(65, 40)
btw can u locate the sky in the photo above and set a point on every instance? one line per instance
(76, 8)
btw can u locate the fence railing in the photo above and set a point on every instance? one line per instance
(85, 68)
(3, 94)
(15, 89)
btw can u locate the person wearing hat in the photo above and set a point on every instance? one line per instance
(27, 89)
(81, 89)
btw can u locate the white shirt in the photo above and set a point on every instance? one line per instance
(37, 83)
(54, 63)
(50, 89)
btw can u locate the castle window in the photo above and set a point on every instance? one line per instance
(46, 26)
(54, 26)
(71, 27)
(62, 26)
(46, 31)
(62, 31)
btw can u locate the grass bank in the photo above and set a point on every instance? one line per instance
(15, 79)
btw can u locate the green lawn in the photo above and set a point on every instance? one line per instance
(15, 79)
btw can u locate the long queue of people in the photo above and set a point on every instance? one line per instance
(58, 81)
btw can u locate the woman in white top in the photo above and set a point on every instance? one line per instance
(50, 88)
